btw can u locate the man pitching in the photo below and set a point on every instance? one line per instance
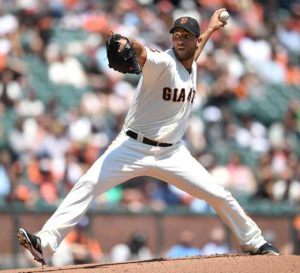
(150, 145)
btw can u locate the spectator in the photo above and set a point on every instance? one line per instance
(184, 247)
(40, 173)
(65, 69)
(265, 177)
(83, 246)
(133, 198)
(10, 90)
(219, 172)
(5, 175)
(287, 187)
(271, 71)
(252, 134)
(31, 106)
(17, 138)
(296, 226)
(292, 73)
(162, 196)
(217, 243)
(242, 179)
(135, 249)
(288, 36)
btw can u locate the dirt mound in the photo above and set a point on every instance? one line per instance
(209, 264)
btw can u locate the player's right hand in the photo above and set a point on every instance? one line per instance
(215, 23)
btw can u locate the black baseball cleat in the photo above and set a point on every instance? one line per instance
(31, 243)
(267, 249)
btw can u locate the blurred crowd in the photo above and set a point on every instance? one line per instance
(61, 105)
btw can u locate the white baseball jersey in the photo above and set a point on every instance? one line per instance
(164, 97)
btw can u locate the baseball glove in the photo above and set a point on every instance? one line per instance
(121, 55)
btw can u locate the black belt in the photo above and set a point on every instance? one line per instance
(147, 140)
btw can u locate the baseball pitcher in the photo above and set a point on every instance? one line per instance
(150, 141)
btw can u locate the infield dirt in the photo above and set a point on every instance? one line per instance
(208, 264)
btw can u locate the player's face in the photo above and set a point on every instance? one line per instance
(184, 44)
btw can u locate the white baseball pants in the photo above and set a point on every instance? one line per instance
(127, 158)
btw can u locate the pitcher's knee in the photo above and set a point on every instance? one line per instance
(220, 196)
(86, 183)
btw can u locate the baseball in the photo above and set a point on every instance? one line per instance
(224, 15)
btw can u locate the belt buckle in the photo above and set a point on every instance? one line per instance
(140, 137)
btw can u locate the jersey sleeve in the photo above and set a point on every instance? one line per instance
(156, 62)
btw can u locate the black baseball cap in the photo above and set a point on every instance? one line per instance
(188, 23)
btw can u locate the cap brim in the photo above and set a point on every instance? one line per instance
(185, 28)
